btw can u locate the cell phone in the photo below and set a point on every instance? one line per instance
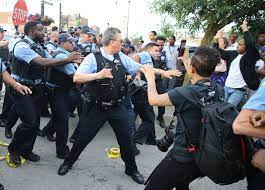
(181, 48)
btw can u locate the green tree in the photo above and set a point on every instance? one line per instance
(166, 29)
(208, 15)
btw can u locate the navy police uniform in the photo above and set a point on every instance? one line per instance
(61, 81)
(27, 106)
(146, 131)
(107, 105)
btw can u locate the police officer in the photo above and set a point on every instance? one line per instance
(146, 131)
(106, 72)
(161, 63)
(52, 44)
(13, 84)
(61, 79)
(85, 44)
(4, 54)
(29, 59)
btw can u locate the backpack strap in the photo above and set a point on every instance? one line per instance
(190, 146)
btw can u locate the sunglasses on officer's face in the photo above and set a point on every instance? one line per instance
(117, 40)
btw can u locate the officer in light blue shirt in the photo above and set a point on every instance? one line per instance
(146, 131)
(28, 62)
(85, 43)
(89, 65)
(23, 51)
(62, 79)
(2, 66)
(257, 101)
(107, 89)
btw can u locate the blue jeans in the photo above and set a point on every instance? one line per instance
(128, 104)
(233, 96)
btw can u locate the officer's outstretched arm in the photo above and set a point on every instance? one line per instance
(87, 77)
(46, 62)
(154, 98)
(243, 126)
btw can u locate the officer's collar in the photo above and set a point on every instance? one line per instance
(29, 40)
(106, 55)
(85, 44)
(63, 50)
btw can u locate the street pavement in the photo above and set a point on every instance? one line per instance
(94, 170)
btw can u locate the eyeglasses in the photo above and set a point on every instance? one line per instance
(116, 40)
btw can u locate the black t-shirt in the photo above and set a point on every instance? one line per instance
(192, 118)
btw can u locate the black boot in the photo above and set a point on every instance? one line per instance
(8, 133)
(15, 158)
(50, 137)
(136, 151)
(1, 187)
(136, 176)
(64, 168)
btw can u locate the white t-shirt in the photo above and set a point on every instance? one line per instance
(232, 46)
(171, 54)
(235, 78)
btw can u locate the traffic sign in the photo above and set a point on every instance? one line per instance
(20, 13)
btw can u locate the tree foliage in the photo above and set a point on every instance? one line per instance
(166, 29)
(208, 15)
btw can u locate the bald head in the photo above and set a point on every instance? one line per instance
(54, 36)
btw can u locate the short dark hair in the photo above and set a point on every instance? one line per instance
(150, 45)
(54, 28)
(162, 38)
(205, 60)
(172, 36)
(30, 25)
(154, 32)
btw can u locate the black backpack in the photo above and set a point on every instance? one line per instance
(220, 155)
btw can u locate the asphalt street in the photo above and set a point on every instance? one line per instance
(94, 170)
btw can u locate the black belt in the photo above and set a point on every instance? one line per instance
(241, 89)
(109, 104)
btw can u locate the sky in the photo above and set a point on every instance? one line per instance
(101, 12)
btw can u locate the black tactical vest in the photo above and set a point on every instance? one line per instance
(57, 77)
(54, 44)
(160, 64)
(25, 70)
(4, 54)
(85, 50)
(108, 90)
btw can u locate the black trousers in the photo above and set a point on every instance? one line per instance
(171, 174)
(60, 119)
(28, 108)
(86, 107)
(12, 117)
(91, 122)
(7, 104)
(146, 131)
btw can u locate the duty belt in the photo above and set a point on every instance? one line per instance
(109, 104)
(28, 81)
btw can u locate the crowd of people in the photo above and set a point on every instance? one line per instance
(107, 78)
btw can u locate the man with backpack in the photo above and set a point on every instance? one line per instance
(178, 168)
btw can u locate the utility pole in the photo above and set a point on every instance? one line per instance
(60, 16)
(127, 29)
(42, 8)
(43, 2)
